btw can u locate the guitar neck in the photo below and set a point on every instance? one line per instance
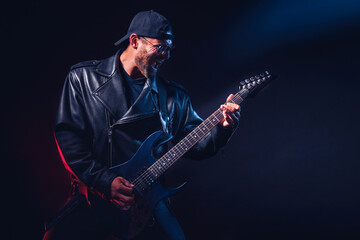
(177, 151)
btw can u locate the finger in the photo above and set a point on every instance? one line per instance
(237, 114)
(126, 182)
(229, 97)
(117, 203)
(227, 117)
(231, 117)
(232, 106)
(121, 205)
(125, 199)
(234, 112)
(231, 113)
(126, 190)
(125, 186)
(235, 118)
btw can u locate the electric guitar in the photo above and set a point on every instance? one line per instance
(143, 170)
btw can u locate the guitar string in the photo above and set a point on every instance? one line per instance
(175, 150)
(147, 174)
(238, 98)
(178, 150)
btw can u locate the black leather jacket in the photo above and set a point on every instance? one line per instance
(93, 102)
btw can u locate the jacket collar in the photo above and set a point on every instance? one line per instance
(108, 66)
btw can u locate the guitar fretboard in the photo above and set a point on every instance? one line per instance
(177, 151)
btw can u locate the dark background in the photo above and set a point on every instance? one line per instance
(291, 169)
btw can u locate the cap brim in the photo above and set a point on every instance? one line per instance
(123, 39)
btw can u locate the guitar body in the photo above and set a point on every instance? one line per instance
(126, 224)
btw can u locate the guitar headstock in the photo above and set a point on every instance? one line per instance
(254, 84)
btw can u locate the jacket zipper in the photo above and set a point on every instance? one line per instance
(110, 145)
(110, 139)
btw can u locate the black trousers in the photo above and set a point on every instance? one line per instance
(79, 221)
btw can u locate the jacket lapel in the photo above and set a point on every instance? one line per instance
(113, 96)
(144, 106)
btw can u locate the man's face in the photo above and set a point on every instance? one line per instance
(149, 59)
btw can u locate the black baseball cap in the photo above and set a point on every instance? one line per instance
(149, 24)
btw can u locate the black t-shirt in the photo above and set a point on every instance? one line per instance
(134, 86)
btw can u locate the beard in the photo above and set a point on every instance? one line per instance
(143, 63)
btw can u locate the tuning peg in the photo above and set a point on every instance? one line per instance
(253, 81)
(242, 85)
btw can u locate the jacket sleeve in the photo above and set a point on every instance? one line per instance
(211, 143)
(75, 138)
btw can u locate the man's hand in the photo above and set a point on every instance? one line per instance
(231, 112)
(122, 193)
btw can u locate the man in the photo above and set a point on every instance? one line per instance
(107, 110)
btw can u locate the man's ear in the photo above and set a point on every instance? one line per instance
(134, 40)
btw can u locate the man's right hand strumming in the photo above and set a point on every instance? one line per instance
(122, 193)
